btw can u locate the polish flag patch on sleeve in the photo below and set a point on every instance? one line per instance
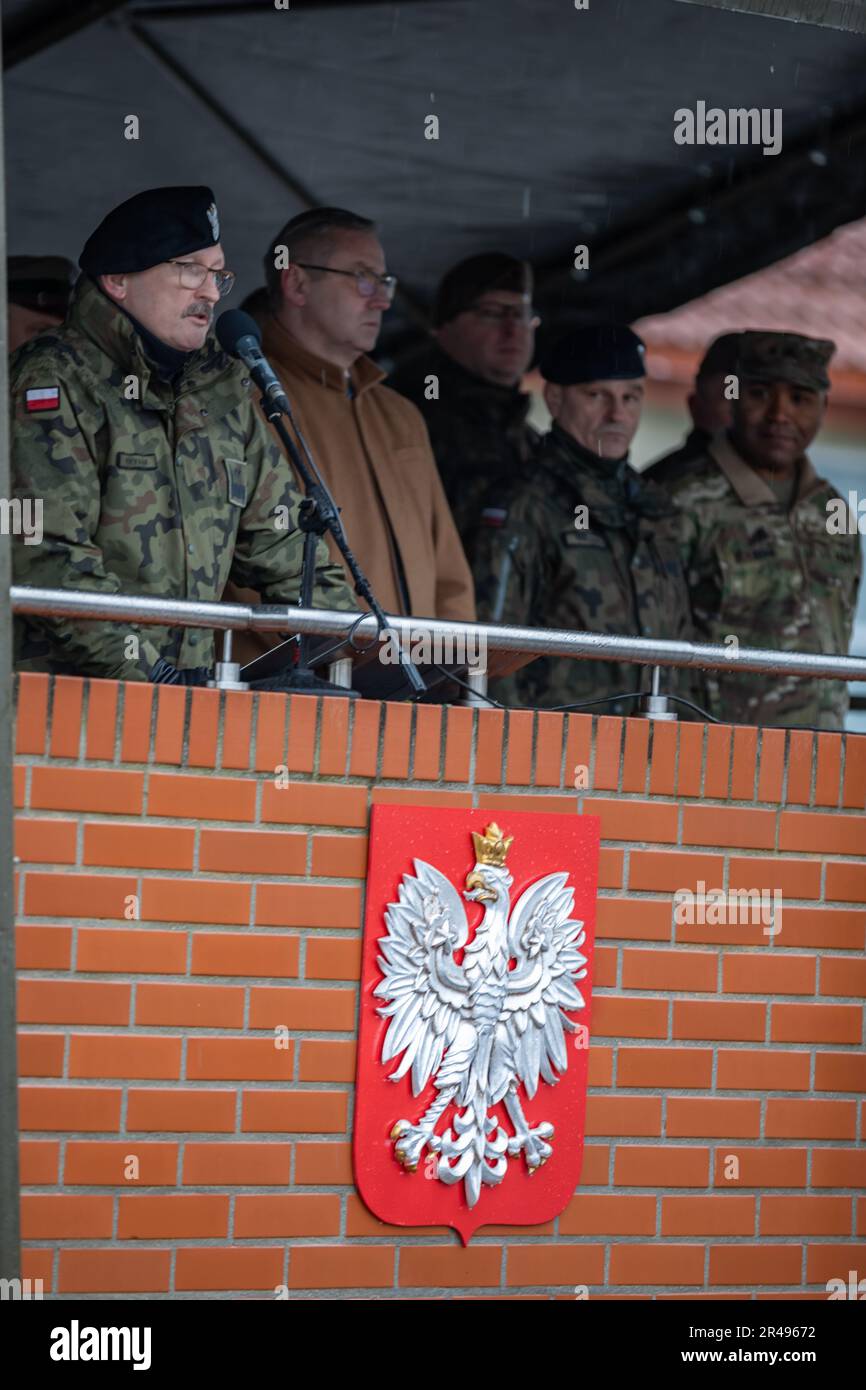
(42, 398)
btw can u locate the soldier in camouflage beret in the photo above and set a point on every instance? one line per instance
(139, 438)
(763, 566)
(586, 544)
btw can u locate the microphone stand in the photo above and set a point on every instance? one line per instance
(317, 515)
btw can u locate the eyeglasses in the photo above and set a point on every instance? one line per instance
(193, 275)
(368, 281)
(525, 315)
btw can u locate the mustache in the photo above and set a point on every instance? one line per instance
(199, 307)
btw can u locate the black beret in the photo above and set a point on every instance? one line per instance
(154, 226)
(465, 282)
(599, 352)
(40, 282)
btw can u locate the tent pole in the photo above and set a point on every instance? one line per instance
(834, 14)
(10, 1244)
(26, 38)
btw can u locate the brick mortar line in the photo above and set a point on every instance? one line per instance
(261, 1086)
(375, 1293)
(347, 934)
(174, 1031)
(199, 1189)
(281, 1138)
(248, 876)
(330, 829)
(826, 1045)
(438, 1240)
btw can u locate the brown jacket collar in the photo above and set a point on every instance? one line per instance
(749, 485)
(279, 345)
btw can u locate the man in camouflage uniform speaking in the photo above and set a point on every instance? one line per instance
(587, 544)
(764, 567)
(139, 437)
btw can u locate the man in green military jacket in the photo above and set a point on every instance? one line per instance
(587, 544)
(767, 566)
(138, 439)
(709, 407)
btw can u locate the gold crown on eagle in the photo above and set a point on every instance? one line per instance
(492, 846)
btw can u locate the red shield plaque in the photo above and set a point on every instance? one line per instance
(475, 1011)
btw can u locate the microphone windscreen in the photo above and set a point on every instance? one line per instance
(233, 325)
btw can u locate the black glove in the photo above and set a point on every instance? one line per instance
(163, 673)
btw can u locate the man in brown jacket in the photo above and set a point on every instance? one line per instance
(328, 289)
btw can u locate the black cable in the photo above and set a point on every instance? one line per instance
(347, 641)
(601, 700)
(552, 709)
(585, 704)
(479, 695)
(564, 709)
(681, 700)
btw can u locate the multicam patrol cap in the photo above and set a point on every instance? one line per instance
(151, 227)
(788, 357)
(40, 282)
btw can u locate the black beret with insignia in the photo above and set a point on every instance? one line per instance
(599, 352)
(157, 225)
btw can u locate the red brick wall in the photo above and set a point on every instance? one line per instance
(152, 1035)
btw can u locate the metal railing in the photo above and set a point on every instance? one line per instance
(591, 646)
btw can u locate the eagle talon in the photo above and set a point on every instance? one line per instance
(413, 1139)
(533, 1146)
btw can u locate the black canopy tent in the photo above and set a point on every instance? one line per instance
(555, 129)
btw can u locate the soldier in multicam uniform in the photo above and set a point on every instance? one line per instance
(587, 545)
(709, 405)
(138, 436)
(468, 386)
(763, 565)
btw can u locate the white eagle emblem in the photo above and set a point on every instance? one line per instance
(486, 1026)
(213, 218)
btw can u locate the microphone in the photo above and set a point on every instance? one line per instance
(240, 336)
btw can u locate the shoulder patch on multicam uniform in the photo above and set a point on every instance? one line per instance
(42, 398)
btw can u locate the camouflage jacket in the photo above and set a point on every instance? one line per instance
(613, 567)
(671, 469)
(769, 578)
(478, 431)
(167, 494)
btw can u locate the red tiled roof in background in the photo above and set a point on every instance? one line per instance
(820, 291)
